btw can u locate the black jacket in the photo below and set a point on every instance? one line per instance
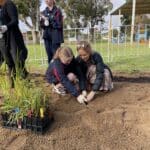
(13, 35)
(53, 32)
(95, 59)
(57, 73)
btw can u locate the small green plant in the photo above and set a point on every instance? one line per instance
(23, 98)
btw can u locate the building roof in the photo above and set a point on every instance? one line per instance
(142, 7)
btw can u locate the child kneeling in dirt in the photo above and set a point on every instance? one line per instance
(64, 73)
(97, 74)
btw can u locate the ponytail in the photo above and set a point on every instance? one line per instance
(56, 56)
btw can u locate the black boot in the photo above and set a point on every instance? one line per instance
(24, 73)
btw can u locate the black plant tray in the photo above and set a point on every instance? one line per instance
(35, 124)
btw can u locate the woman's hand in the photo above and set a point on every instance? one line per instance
(84, 93)
(81, 99)
(90, 96)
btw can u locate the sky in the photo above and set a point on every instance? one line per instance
(117, 3)
(115, 19)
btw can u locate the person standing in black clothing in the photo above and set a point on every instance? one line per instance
(1, 43)
(12, 45)
(52, 23)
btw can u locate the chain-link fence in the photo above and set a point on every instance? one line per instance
(112, 44)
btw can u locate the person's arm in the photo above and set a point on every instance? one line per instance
(81, 76)
(42, 23)
(59, 73)
(42, 20)
(49, 77)
(99, 76)
(57, 21)
(12, 13)
(99, 72)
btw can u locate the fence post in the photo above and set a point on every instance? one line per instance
(133, 20)
(109, 37)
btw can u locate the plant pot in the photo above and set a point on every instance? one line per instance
(34, 123)
(40, 125)
(24, 122)
(12, 124)
(29, 123)
(19, 124)
(5, 117)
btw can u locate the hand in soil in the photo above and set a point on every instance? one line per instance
(90, 96)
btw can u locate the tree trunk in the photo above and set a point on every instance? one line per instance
(92, 34)
(92, 30)
(35, 37)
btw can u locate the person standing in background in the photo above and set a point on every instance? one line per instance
(51, 21)
(12, 46)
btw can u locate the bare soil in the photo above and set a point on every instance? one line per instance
(119, 120)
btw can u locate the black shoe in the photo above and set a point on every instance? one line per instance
(24, 74)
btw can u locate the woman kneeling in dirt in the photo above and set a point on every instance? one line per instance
(63, 72)
(97, 74)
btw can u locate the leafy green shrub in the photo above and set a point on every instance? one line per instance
(21, 100)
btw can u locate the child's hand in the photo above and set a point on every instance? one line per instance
(90, 96)
(84, 93)
(81, 99)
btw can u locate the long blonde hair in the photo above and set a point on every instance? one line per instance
(85, 46)
(65, 53)
(2, 2)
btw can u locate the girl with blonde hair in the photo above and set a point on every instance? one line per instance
(98, 75)
(63, 72)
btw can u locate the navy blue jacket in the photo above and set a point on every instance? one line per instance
(53, 32)
(95, 59)
(57, 73)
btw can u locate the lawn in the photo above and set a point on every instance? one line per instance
(120, 57)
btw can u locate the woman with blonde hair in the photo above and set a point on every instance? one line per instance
(63, 73)
(98, 75)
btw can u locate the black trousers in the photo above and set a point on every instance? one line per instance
(13, 58)
(1, 59)
(6, 55)
(50, 48)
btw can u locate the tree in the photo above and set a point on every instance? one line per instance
(91, 10)
(30, 8)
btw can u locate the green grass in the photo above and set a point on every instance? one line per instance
(122, 57)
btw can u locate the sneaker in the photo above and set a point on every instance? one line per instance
(59, 90)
